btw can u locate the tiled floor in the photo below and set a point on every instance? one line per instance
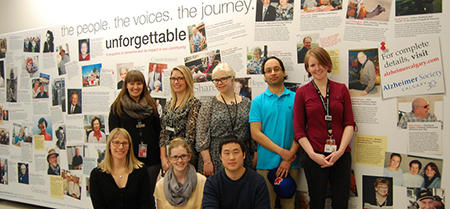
(5, 204)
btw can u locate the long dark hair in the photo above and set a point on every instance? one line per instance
(133, 76)
(437, 174)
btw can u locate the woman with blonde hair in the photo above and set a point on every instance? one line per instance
(120, 180)
(223, 115)
(182, 186)
(135, 111)
(179, 117)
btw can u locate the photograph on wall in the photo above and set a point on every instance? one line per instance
(292, 86)
(274, 10)
(40, 86)
(155, 74)
(417, 7)
(49, 45)
(122, 70)
(364, 72)
(2, 73)
(94, 127)
(423, 198)
(32, 44)
(420, 109)
(5, 115)
(160, 104)
(43, 126)
(84, 50)
(3, 47)
(21, 134)
(197, 37)
(377, 192)
(203, 64)
(255, 57)
(75, 156)
(23, 172)
(60, 134)
(423, 172)
(321, 6)
(241, 87)
(11, 85)
(4, 136)
(31, 66)
(3, 171)
(305, 42)
(53, 162)
(91, 75)
(394, 167)
(74, 101)
(369, 10)
(59, 93)
(71, 184)
(63, 57)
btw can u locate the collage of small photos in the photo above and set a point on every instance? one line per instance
(56, 90)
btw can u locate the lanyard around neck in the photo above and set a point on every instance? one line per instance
(326, 106)
(232, 122)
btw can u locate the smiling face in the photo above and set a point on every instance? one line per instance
(179, 158)
(382, 189)
(273, 73)
(119, 147)
(414, 169)
(53, 160)
(318, 71)
(135, 89)
(232, 157)
(307, 43)
(42, 127)
(74, 98)
(421, 108)
(96, 125)
(178, 83)
(362, 57)
(84, 48)
(426, 203)
(430, 172)
(123, 73)
(223, 81)
(395, 161)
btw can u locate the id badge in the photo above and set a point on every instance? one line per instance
(330, 146)
(170, 129)
(142, 150)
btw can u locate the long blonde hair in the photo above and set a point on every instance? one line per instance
(133, 76)
(189, 86)
(132, 162)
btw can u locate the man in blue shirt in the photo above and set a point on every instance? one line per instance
(271, 125)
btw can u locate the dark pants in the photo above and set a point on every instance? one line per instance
(153, 172)
(337, 175)
(356, 85)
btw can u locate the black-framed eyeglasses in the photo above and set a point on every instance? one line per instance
(426, 106)
(177, 79)
(177, 157)
(221, 80)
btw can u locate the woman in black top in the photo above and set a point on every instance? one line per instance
(120, 180)
(135, 111)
